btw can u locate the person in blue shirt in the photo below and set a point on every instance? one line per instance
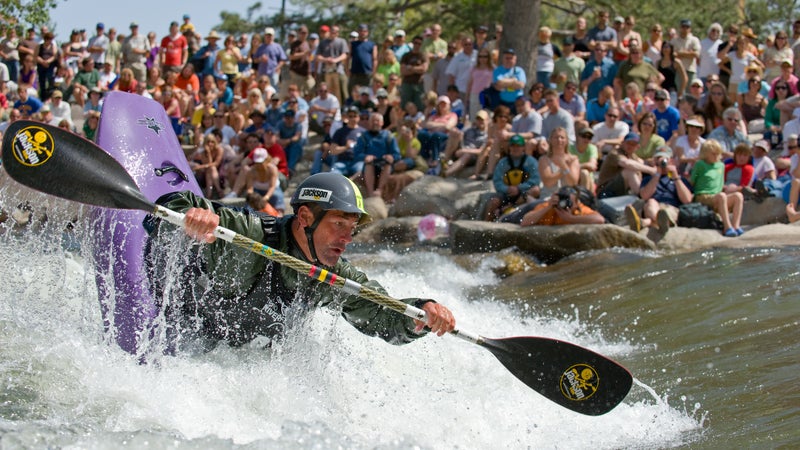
(203, 59)
(379, 150)
(274, 111)
(290, 136)
(225, 92)
(515, 177)
(27, 104)
(668, 118)
(509, 80)
(598, 73)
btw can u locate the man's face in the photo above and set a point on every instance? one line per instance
(479, 123)
(731, 122)
(611, 116)
(268, 38)
(509, 60)
(630, 147)
(522, 105)
(269, 138)
(436, 31)
(599, 53)
(685, 30)
(322, 91)
(252, 142)
(375, 122)
(515, 151)
(333, 234)
(552, 103)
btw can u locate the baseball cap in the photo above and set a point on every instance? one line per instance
(134, 25)
(585, 131)
(260, 155)
(787, 61)
(686, 23)
(400, 33)
(634, 137)
(324, 28)
(697, 82)
(663, 152)
(382, 93)
(363, 26)
(289, 113)
(509, 51)
(763, 143)
(482, 114)
(517, 140)
(354, 34)
(186, 16)
(269, 30)
(619, 19)
(57, 94)
(661, 94)
(313, 36)
(100, 25)
(443, 98)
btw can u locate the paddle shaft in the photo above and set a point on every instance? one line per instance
(312, 271)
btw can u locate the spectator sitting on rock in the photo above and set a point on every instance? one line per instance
(466, 145)
(708, 178)
(515, 177)
(663, 193)
(621, 171)
(564, 207)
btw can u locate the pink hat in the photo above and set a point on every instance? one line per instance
(443, 98)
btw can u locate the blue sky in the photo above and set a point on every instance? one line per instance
(152, 15)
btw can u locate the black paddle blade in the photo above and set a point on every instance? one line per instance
(572, 376)
(60, 163)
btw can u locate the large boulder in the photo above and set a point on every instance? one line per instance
(546, 243)
(449, 197)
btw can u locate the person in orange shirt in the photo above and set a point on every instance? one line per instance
(562, 208)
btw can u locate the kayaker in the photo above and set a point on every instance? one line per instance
(239, 295)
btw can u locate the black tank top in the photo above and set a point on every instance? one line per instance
(669, 77)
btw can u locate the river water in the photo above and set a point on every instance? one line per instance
(711, 337)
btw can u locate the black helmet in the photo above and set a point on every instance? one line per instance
(331, 191)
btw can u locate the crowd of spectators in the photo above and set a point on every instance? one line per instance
(607, 112)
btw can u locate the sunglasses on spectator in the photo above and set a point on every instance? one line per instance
(613, 116)
(782, 88)
(792, 147)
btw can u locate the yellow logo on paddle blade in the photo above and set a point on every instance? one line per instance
(579, 382)
(32, 146)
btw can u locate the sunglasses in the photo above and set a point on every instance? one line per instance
(793, 147)
(781, 88)
(613, 116)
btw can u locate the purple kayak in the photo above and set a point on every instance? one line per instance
(137, 133)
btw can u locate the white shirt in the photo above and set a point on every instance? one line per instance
(789, 128)
(708, 58)
(460, 68)
(603, 132)
(329, 103)
(762, 166)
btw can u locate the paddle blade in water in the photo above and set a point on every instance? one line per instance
(60, 163)
(570, 375)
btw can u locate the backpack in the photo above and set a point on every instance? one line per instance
(698, 215)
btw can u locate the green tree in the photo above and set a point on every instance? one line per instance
(26, 12)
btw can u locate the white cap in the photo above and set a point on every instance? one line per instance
(269, 30)
(400, 33)
(260, 155)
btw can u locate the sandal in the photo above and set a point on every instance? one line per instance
(731, 233)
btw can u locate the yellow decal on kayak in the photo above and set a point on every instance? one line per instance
(579, 382)
(32, 146)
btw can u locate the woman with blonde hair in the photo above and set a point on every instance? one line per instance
(228, 59)
(558, 167)
(708, 181)
(387, 64)
(127, 82)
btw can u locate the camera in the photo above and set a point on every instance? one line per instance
(564, 200)
(663, 163)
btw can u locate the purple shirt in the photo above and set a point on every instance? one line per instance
(274, 53)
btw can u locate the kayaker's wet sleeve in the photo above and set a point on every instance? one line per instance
(373, 319)
(234, 269)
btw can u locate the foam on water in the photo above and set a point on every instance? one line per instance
(327, 386)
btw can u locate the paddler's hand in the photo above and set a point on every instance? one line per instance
(440, 319)
(200, 223)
